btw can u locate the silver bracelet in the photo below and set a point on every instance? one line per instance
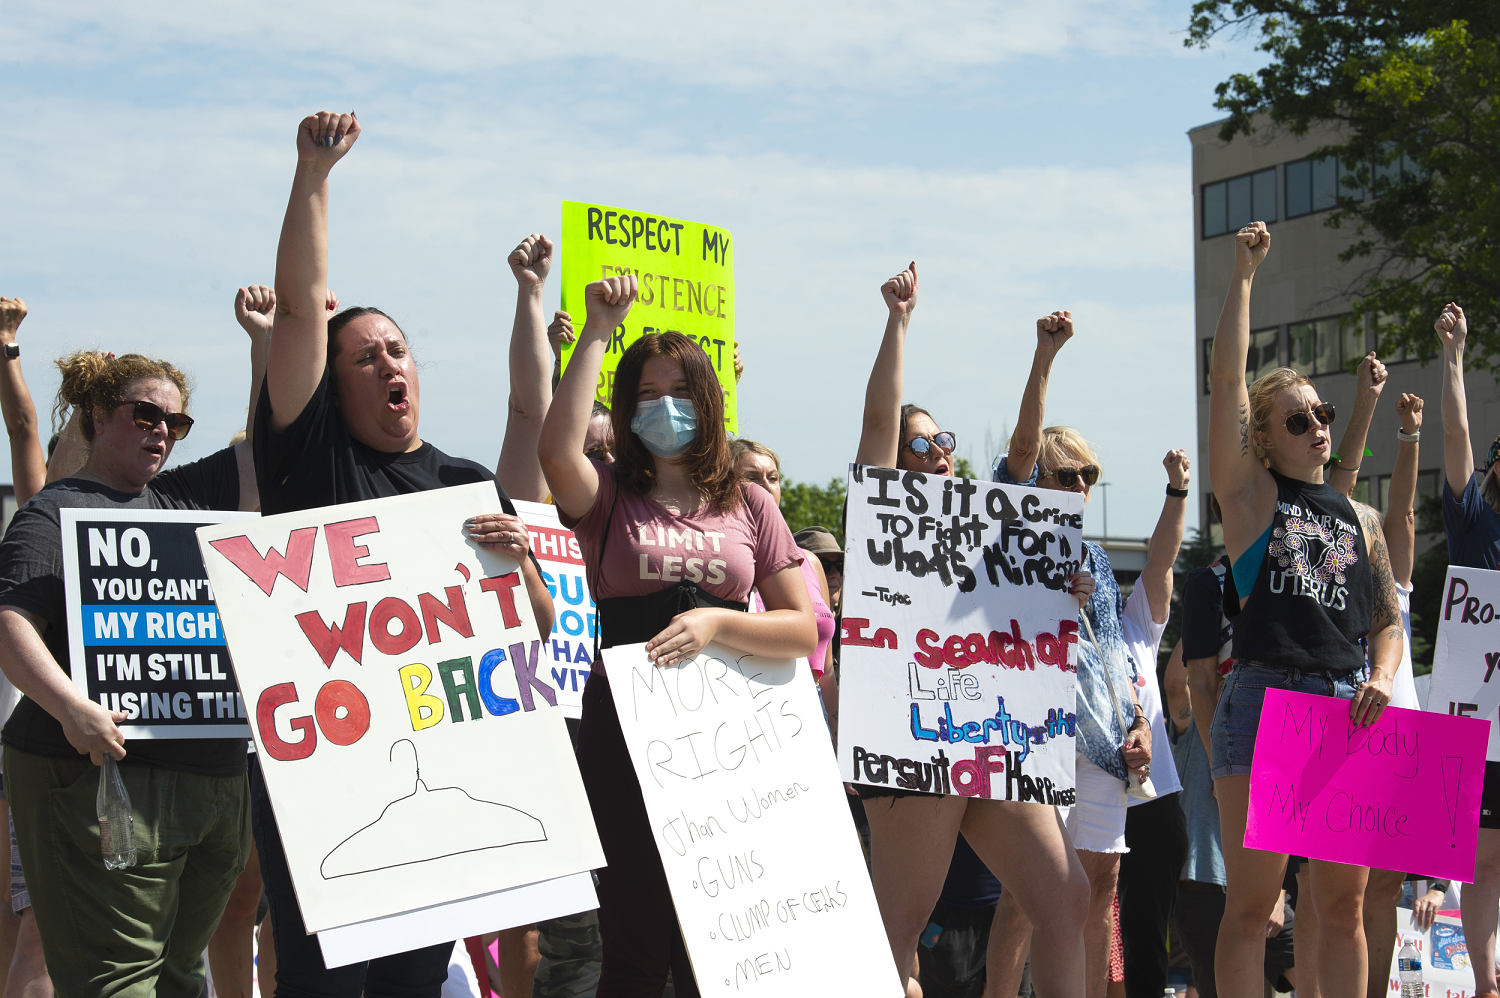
(1408, 438)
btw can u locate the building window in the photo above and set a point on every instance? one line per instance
(1429, 483)
(1208, 363)
(1228, 205)
(1324, 346)
(1264, 357)
(1317, 185)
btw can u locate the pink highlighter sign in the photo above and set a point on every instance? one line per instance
(1401, 794)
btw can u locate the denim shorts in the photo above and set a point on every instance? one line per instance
(1237, 716)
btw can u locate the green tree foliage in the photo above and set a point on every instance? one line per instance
(1411, 85)
(806, 505)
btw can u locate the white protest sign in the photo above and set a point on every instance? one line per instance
(389, 666)
(348, 944)
(143, 630)
(752, 824)
(960, 640)
(1444, 954)
(1466, 661)
(570, 648)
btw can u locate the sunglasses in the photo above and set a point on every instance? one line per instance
(922, 446)
(148, 414)
(598, 453)
(1068, 477)
(1300, 422)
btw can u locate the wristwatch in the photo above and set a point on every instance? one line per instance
(12, 351)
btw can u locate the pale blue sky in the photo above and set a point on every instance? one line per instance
(1028, 155)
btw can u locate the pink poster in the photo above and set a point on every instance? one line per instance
(1402, 794)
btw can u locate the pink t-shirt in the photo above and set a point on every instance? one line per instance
(650, 549)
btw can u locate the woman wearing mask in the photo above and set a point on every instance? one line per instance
(673, 543)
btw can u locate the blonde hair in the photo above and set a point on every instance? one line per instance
(740, 446)
(1060, 443)
(1263, 392)
(91, 378)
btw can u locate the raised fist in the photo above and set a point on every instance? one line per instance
(1052, 331)
(1251, 244)
(325, 137)
(12, 311)
(1371, 376)
(1409, 409)
(1178, 466)
(739, 365)
(1452, 328)
(255, 309)
(900, 292)
(609, 300)
(560, 331)
(531, 261)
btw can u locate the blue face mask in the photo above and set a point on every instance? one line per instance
(665, 425)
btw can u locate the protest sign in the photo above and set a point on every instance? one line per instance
(1400, 794)
(960, 641)
(389, 664)
(571, 645)
(143, 630)
(1464, 679)
(685, 275)
(348, 944)
(752, 823)
(1445, 956)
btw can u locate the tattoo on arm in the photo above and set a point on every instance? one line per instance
(1387, 610)
(1244, 430)
(1185, 713)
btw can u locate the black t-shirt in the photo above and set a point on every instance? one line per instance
(1313, 599)
(1204, 629)
(315, 462)
(31, 579)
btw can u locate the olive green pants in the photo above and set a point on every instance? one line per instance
(141, 931)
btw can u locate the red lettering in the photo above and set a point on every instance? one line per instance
(455, 613)
(263, 570)
(344, 554)
(504, 588)
(389, 609)
(352, 726)
(928, 656)
(327, 639)
(265, 720)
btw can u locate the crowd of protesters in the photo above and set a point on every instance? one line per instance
(977, 896)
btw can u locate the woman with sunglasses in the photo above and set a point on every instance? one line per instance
(672, 542)
(1120, 645)
(337, 422)
(191, 805)
(912, 835)
(1318, 581)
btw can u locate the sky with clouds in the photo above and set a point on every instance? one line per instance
(1030, 155)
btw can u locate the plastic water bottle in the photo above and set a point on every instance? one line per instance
(116, 823)
(1409, 971)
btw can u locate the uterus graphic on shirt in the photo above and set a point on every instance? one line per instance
(685, 555)
(1313, 552)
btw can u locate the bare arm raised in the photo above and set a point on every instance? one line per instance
(1052, 331)
(571, 476)
(1458, 451)
(1400, 524)
(1166, 539)
(300, 346)
(1386, 636)
(1370, 382)
(28, 463)
(881, 428)
(530, 373)
(1243, 487)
